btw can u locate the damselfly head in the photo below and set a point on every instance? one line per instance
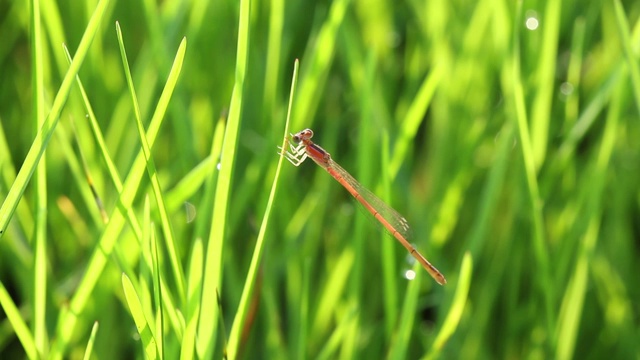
(305, 134)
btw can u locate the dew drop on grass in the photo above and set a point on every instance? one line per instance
(190, 211)
(531, 21)
(409, 275)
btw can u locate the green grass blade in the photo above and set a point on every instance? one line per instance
(629, 51)
(194, 288)
(157, 296)
(213, 259)
(573, 72)
(414, 117)
(92, 339)
(315, 69)
(539, 241)
(388, 248)
(491, 193)
(587, 119)
(111, 167)
(452, 320)
(505, 130)
(17, 322)
(153, 175)
(68, 320)
(210, 184)
(190, 184)
(304, 311)
(573, 302)
(144, 329)
(274, 53)
(400, 341)
(131, 217)
(596, 104)
(40, 235)
(7, 171)
(44, 134)
(576, 291)
(79, 175)
(239, 320)
(545, 75)
(331, 296)
(330, 348)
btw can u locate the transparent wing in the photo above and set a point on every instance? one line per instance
(397, 221)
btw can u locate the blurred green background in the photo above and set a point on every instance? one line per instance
(505, 132)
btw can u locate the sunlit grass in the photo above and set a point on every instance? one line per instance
(511, 150)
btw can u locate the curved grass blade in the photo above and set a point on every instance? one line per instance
(157, 294)
(194, 291)
(111, 166)
(546, 290)
(68, 319)
(135, 307)
(213, 260)
(176, 266)
(627, 45)
(44, 134)
(454, 315)
(400, 343)
(239, 320)
(19, 326)
(92, 338)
